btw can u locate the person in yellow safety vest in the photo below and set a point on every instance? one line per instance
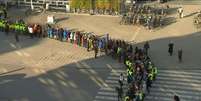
(140, 96)
(1, 24)
(150, 76)
(129, 72)
(154, 72)
(119, 50)
(12, 26)
(130, 64)
(90, 44)
(129, 75)
(17, 27)
(20, 27)
(127, 63)
(150, 66)
(4, 24)
(126, 98)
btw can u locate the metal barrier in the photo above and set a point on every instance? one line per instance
(53, 4)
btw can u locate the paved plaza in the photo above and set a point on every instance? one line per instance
(48, 70)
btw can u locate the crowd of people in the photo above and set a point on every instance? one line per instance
(197, 20)
(141, 71)
(145, 15)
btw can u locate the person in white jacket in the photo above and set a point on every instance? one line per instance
(180, 12)
(121, 80)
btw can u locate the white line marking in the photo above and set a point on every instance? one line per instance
(107, 98)
(135, 34)
(108, 93)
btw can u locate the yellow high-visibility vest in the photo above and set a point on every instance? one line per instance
(150, 75)
(126, 98)
(141, 95)
(155, 70)
(129, 64)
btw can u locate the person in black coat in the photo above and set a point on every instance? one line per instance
(180, 52)
(60, 34)
(120, 93)
(146, 47)
(176, 98)
(171, 46)
(6, 28)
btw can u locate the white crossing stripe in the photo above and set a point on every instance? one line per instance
(151, 98)
(108, 89)
(169, 95)
(118, 71)
(163, 82)
(111, 81)
(180, 76)
(186, 84)
(107, 98)
(116, 78)
(108, 93)
(178, 79)
(187, 72)
(177, 91)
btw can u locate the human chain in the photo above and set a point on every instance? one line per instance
(140, 70)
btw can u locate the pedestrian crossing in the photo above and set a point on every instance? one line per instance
(109, 93)
(184, 83)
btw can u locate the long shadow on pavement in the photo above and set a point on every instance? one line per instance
(8, 43)
(80, 81)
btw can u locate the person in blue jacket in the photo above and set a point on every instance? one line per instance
(65, 34)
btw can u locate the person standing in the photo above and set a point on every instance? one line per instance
(176, 98)
(180, 52)
(180, 12)
(149, 81)
(120, 93)
(16, 37)
(5, 13)
(88, 43)
(146, 47)
(6, 28)
(171, 46)
(60, 34)
(30, 29)
(121, 79)
(95, 45)
(65, 35)
(119, 51)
